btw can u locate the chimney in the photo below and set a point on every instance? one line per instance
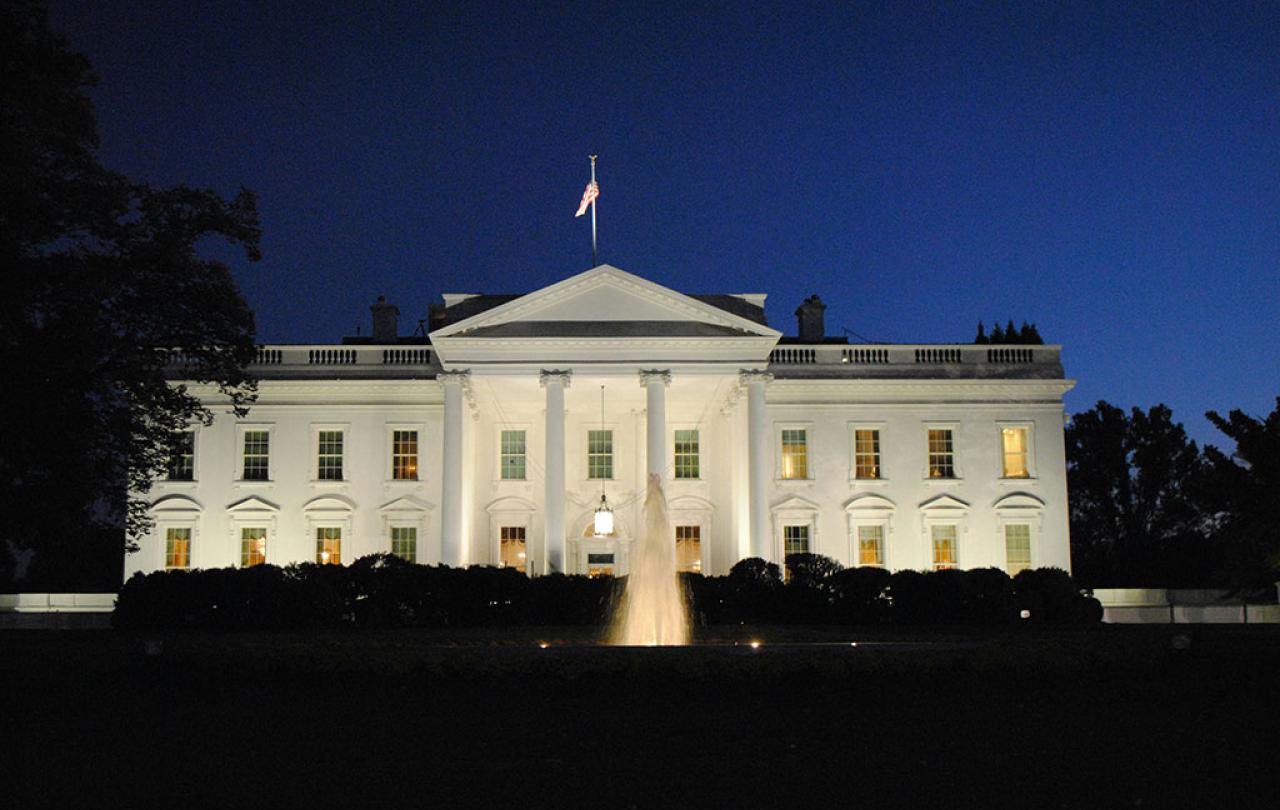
(384, 321)
(810, 316)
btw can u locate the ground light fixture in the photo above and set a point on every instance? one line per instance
(604, 515)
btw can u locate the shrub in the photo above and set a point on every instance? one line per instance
(810, 594)
(860, 595)
(1052, 597)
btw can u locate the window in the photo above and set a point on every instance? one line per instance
(513, 551)
(182, 460)
(866, 454)
(329, 457)
(404, 455)
(942, 460)
(1017, 547)
(513, 455)
(599, 454)
(689, 549)
(1013, 442)
(795, 454)
(329, 545)
(257, 455)
(871, 545)
(599, 565)
(795, 540)
(177, 548)
(944, 545)
(686, 454)
(404, 542)
(253, 546)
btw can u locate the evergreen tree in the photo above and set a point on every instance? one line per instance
(982, 334)
(997, 334)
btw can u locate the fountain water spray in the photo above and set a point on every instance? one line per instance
(652, 609)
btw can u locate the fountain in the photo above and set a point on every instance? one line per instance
(652, 609)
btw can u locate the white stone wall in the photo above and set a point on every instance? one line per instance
(367, 502)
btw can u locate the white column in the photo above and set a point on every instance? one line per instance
(759, 464)
(655, 383)
(451, 468)
(553, 505)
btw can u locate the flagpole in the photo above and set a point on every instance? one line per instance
(594, 261)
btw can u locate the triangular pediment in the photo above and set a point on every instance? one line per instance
(406, 503)
(604, 302)
(252, 504)
(943, 503)
(794, 504)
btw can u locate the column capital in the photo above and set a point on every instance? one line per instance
(456, 377)
(555, 375)
(754, 375)
(649, 376)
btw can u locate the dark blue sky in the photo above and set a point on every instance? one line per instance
(1109, 173)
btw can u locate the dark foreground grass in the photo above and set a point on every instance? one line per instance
(1081, 718)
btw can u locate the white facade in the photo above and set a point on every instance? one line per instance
(534, 366)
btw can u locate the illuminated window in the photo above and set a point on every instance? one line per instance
(1014, 445)
(871, 545)
(599, 454)
(795, 540)
(866, 454)
(182, 461)
(944, 546)
(942, 460)
(257, 455)
(689, 549)
(1017, 547)
(253, 546)
(329, 545)
(513, 550)
(686, 454)
(177, 548)
(404, 542)
(329, 458)
(599, 565)
(795, 454)
(513, 455)
(404, 455)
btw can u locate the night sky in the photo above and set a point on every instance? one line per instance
(1109, 173)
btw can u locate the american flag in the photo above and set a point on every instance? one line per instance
(588, 196)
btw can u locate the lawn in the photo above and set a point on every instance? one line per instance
(1073, 718)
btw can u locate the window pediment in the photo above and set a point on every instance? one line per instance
(944, 503)
(176, 504)
(1018, 501)
(690, 503)
(328, 503)
(406, 503)
(871, 504)
(252, 504)
(510, 503)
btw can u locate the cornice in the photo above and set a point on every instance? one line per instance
(782, 391)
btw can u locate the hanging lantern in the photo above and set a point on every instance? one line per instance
(604, 518)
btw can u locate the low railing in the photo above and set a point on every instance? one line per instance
(963, 354)
(285, 356)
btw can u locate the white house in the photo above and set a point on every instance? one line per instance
(492, 439)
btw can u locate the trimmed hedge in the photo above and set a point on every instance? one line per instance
(384, 591)
(380, 590)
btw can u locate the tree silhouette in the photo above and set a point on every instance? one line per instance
(104, 282)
